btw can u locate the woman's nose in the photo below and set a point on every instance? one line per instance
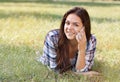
(70, 26)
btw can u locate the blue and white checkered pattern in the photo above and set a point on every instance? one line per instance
(49, 51)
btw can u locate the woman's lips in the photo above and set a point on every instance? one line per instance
(69, 33)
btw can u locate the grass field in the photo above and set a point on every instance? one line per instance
(23, 26)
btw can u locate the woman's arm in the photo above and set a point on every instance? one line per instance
(49, 50)
(80, 64)
(81, 38)
(86, 58)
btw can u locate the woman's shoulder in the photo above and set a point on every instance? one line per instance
(92, 42)
(53, 33)
(53, 36)
(93, 37)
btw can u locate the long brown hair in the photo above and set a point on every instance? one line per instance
(63, 60)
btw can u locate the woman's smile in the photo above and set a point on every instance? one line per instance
(69, 33)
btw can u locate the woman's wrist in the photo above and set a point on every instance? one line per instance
(81, 48)
(81, 51)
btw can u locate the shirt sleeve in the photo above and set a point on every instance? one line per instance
(90, 51)
(49, 52)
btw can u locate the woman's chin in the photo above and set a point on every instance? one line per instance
(70, 38)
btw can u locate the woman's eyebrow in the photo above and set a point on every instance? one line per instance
(76, 23)
(72, 22)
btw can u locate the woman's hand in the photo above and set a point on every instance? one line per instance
(81, 39)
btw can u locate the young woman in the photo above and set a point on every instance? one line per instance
(71, 47)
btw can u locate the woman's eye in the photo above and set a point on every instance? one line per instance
(76, 25)
(67, 23)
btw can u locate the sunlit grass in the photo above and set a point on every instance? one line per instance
(23, 27)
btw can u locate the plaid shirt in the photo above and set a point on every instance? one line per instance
(49, 51)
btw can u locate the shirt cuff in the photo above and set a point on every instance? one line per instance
(85, 69)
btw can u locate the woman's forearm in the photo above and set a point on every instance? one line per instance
(80, 64)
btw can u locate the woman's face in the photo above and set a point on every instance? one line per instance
(73, 25)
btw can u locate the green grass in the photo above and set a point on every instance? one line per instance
(23, 26)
